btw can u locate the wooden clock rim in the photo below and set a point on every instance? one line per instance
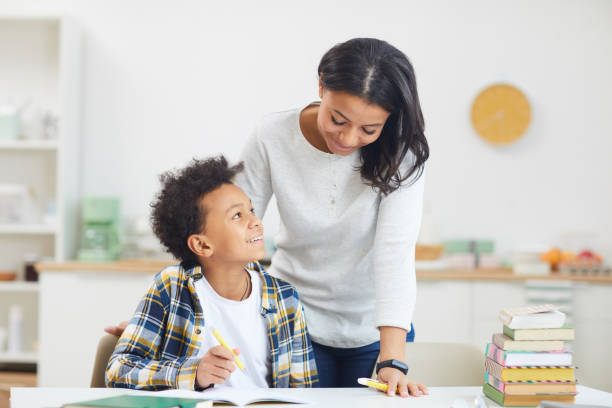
(486, 136)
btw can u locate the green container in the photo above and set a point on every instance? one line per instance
(100, 236)
(484, 247)
(458, 246)
(468, 246)
(100, 210)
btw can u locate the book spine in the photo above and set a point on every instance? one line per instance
(498, 341)
(493, 367)
(491, 351)
(510, 332)
(494, 394)
(496, 383)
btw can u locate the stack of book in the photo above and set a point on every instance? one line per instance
(529, 362)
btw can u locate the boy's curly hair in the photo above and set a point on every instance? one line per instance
(176, 213)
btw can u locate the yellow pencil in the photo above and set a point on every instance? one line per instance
(224, 344)
(368, 382)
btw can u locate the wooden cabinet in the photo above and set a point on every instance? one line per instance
(13, 379)
(75, 306)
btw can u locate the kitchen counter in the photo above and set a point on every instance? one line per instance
(123, 265)
(505, 274)
(150, 266)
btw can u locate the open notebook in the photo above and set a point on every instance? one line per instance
(190, 399)
(235, 396)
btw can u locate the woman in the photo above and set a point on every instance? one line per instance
(346, 174)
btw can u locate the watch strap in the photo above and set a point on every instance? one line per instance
(399, 365)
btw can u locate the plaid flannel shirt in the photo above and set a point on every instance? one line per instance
(159, 347)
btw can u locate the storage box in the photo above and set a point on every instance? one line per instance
(16, 204)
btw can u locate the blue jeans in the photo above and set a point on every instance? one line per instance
(341, 367)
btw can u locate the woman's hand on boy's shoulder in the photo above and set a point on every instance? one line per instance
(396, 379)
(216, 366)
(116, 330)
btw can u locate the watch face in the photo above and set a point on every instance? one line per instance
(501, 114)
(392, 363)
(400, 364)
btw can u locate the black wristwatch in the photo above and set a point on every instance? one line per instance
(403, 367)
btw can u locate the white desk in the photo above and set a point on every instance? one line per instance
(320, 397)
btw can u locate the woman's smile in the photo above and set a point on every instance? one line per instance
(340, 147)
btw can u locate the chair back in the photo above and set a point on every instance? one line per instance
(106, 345)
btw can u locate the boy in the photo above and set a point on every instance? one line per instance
(208, 223)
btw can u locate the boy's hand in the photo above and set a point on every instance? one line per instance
(398, 380)
(116, 330)
(216, 366)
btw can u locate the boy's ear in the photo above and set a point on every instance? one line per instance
(199, 245)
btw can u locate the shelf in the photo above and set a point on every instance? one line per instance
(18, 286)
(27, 229)
(25, 357)
(505, 274)
(30, 145)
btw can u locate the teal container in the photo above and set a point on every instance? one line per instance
(10, 127)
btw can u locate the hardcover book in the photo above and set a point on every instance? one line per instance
(531, 387)
(529, 373)
(141, 401)
(506, 343)
(562, 333)
(532, 317)
(528, 358)
(523, 400)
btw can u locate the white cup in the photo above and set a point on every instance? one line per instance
(2, 339)
(15, 327)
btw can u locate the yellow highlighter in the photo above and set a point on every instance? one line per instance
(224, 344)
(368, 382)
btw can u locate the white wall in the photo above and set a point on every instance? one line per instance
(167, 81)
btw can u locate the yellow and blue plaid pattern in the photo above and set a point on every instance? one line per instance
(159, 347)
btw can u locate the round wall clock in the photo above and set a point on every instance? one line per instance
(501, 114)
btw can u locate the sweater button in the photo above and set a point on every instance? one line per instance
(198, 331)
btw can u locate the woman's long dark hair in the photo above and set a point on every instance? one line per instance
(382, 75)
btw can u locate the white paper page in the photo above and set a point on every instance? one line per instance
(235, 396)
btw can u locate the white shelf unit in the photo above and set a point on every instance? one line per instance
(29, 358)
(19, 286)
(30, 145)
(27, 229)
(24, 294)
(41, 63)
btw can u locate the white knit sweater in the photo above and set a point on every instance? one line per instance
(348, 250)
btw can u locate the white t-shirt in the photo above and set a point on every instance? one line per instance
(348, 250)
(241, 325)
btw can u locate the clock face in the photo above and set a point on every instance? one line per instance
(501, 114)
